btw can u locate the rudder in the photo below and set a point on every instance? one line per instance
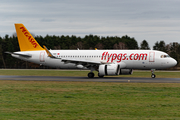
(25, 39)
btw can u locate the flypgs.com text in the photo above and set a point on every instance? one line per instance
(113, 56)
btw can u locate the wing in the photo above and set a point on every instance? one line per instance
(75, 61)
(82, 62)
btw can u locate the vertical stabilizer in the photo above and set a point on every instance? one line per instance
(25, 39)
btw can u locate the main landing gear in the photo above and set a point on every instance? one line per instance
(153, 75)
(91, 75)
(100, 76)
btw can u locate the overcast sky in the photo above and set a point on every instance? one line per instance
(150, 20)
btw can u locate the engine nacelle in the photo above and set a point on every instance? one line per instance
(109, 69)
(126, 71)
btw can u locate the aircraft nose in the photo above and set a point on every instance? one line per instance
(173, 62)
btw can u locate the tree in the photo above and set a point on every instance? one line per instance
(144, 45)
(120, 45)
(161, 46)
(99, 46)
(1, 54)
(131, 43)
(174, 51)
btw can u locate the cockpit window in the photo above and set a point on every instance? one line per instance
(165, 56)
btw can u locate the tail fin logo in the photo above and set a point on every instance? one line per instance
(30, 38)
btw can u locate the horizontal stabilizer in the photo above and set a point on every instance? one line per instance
(20, 54)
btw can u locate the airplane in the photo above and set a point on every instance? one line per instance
(106, 62)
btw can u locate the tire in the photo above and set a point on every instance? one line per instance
(153, 76)
(100, 76)
(91, 75)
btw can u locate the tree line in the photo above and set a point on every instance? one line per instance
(10, 44)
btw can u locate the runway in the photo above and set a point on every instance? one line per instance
(86, 79)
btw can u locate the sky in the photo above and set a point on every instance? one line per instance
(150, 20)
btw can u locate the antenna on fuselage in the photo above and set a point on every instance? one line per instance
(151, 48)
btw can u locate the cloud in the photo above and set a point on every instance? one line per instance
(150, 20)
(47, 20)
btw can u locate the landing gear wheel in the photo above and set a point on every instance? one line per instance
(100, 76)
(153, 76)
(91, 75)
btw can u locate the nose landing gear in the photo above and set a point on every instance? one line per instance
(153, 75)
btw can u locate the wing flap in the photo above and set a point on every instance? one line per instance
(78, 61)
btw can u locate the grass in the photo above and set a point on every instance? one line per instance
(47, 100)
(28, 72)
(88, 100)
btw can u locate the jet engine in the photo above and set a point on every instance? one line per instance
(125, 72)
(113, 69)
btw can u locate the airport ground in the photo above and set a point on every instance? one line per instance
(83, 73)
(88, 100)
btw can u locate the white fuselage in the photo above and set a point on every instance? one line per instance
(129, 59)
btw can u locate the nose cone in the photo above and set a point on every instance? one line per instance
(173, 62)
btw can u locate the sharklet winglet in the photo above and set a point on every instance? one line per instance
(48, 52)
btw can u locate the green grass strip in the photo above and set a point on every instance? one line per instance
(44, 100)
(83, 73)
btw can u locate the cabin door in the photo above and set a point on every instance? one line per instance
(42, 57)
(151, 56)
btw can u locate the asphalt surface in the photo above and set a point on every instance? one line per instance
(86, 79)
